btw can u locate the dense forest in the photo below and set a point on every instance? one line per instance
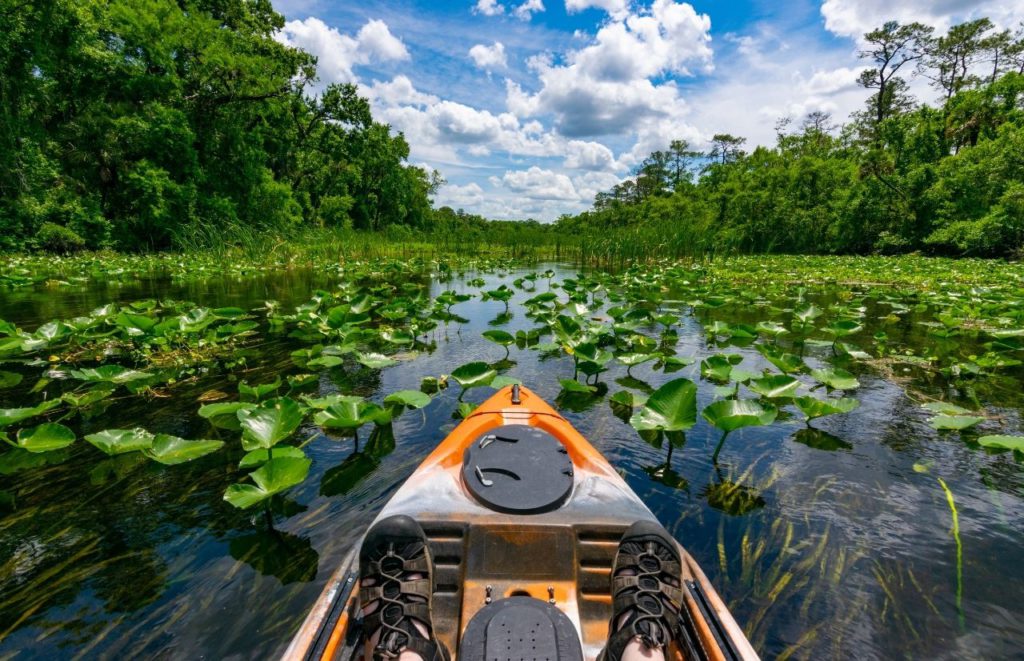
(900, 176)
(148, 124)
(155, 124)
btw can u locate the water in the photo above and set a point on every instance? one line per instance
(825, 543)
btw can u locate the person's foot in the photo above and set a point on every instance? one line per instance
(646, 591)
(395, 588)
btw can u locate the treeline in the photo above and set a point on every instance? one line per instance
(149, 124)
(900, 176)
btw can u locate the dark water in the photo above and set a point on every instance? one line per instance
(826, 543)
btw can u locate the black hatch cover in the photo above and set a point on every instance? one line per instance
(518, 469)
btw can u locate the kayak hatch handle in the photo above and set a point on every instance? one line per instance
(490, 438)
(337, 608)
(715, 625)
(515, 394)
(500, 471)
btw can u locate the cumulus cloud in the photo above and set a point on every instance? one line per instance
(539, 184)
(526, 10)
(613, 7)
(852, 18)
(606, 87)
(832, 80)
(488, 8)
(338, 53)
(456, 196)
(489, 57)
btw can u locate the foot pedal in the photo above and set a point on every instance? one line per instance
(520, 629)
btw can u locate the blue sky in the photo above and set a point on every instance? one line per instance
(530, 107)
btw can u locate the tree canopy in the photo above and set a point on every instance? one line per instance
(145, 124)
(900, 176)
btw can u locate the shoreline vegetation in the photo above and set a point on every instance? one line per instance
(185, 126)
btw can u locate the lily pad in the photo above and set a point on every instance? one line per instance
(672, 407)
(269, 423)
(472, 375)
(273, 477)
(171, 450)
(46, 437)
(121, 441)
(836, 378)
(1002, 442)
(732, 414)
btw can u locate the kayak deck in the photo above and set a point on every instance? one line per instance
(562, 556)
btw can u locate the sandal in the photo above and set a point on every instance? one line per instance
(393, 549)
(652, 596)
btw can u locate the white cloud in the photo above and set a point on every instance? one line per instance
(398, 92)
(489, 57)
(539, 184)
(456, 196)
(376, 42)
(613, 7)
(606, 88)
(526, 10)
(338, 53)
(580, 155)
(488, 8)
(852, 18)
(832, 80)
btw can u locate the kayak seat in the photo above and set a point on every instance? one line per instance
(520, 629)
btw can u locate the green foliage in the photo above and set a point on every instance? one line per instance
(141, 124)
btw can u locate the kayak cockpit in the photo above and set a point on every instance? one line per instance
(516, 504)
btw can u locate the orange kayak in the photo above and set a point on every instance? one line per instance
(516, 503)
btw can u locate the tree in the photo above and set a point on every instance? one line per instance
(889, 49)
(950, 60)
(726, 148)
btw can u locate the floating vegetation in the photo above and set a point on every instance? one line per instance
(297, 410)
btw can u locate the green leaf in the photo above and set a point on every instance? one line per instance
(271, 478)
(348, 412)
(633, 359)
(945, 408)
(121, 441)
(499, 337)
(47, 436)
(257, 458)
(258, 392)
(413, 399)
(672, 407)
(269, 423)
(170, 450)
(326, 361)
(628, 399)
(13, 416)
(465, 409)
(375, 360)
(96, 394)
(836, 378)
(775, 386)
(732, 414)
(9, 379)
(787, 363)
(109, 374)
(224, 415)
(816, 408)
(719, 367)
(572, 385)
(843, 327)
(1002, 442)
(473, 375)
(955, 422)
(503, 380)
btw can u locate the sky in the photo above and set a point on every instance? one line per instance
(528, 108)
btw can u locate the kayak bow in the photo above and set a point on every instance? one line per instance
(515, 502)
